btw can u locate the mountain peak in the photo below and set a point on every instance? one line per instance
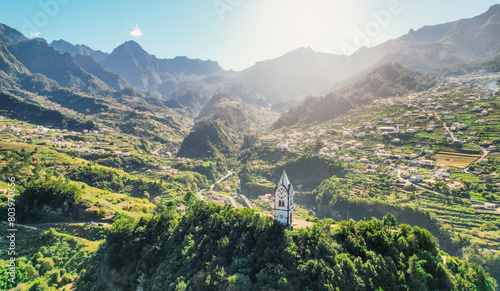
(10, 35)
(60, 42)
(131, 44)
(302, 51)
(131, 48)
(494, 8)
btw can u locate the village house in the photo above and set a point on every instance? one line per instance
(413, 170)
(385, 130)
(427, 163)
(347, 159)
(490, 206)
(383, 155)
(485, 143)
(417, 179)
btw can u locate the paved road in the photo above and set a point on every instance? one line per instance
(401, 179)
(200, 194)
(229, 174)
(233, 201)
(40, 225)
(247, 201)
(406, 181)
(297, 223)
(485, 153)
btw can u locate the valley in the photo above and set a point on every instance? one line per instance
(135, 172)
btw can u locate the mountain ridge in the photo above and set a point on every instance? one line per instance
(147, 72)
(64, 46)
(303, 71)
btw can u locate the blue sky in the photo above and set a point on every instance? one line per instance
(236, 33)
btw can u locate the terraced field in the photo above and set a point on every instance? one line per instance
(457, 160)
(459, 217)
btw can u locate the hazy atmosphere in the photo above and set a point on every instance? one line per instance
(249, 145)
(235, 33)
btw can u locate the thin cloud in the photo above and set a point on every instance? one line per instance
(34, 34)
(136, 32)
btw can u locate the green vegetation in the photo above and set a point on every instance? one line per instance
(220, 248)
(310, 171)
(17, 108)
(384, 81)
(45, 260)
(395, 145)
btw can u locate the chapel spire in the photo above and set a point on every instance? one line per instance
(283, 201)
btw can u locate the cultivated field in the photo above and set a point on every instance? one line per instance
(457, 160)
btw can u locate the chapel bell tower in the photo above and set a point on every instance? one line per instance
(283, 201)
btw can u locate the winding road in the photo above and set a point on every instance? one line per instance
(247, 202)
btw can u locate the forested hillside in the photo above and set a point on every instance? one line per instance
(222, 122)
(222, 248)
(385, 81)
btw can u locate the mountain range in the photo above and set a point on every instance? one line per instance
(303, 71)
(190, 83)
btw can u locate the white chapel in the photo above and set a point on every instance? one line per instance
(283, 201)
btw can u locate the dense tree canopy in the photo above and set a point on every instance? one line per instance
(222, 248)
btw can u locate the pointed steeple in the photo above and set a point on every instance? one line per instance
(283, 200)
(284, 180)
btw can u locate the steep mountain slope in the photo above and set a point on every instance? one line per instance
(66, 47)
(10, 68)
(303, 71)
(440, 45)
(38, 77)
(10, 36)
(221, 248)
(192, 100)
(16, 108)
(9, 64)
(113, 80)
(464, 41)
(295, 74)
(215, 103)
(147, 72)
(38, 57)
(384, 81)
(219, 125)
(134, 64)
